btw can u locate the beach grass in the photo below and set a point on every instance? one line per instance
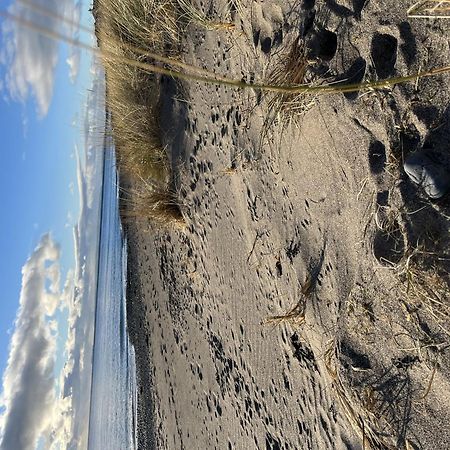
(424, 283)
(153, 201)
(128, 30)
(290, 69)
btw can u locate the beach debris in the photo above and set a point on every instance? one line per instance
(430, 170)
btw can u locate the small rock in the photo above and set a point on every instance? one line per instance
(430, 170)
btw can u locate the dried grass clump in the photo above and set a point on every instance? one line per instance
(132, 93)
(426, 290)
(291, 69)
(294, 317)
(130, 30)
(152, 201)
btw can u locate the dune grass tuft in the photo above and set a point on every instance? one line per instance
(291, 69)
(152, 201)
(425, 285)
(128, 30)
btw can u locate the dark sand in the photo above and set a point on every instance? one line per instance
(322, 197)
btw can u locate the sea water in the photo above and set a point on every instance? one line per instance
(113, 408)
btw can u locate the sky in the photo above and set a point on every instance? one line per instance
(49, 179)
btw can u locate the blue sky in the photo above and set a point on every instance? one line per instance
(38, 176)
(39, 181)
(43, 102)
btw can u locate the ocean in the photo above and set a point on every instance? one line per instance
(113, 404)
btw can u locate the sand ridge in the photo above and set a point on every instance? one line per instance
(272, 203)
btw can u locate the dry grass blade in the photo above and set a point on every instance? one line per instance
(308, 286)
(430, 9)
(149, 68)
(296, 315)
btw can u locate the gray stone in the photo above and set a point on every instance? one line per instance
(430, 170)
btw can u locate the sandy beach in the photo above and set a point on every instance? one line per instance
(304, 304)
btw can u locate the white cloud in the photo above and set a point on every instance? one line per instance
(32, 58)
(74, 58)
(73, 61)
(79, 344)
(39, 402)
(28, 381)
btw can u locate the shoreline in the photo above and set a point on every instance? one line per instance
(135, 312)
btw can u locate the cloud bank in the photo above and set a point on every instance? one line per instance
(74, 58)
(31, 58)
(79, 346)
(37, 403)
(28, 381)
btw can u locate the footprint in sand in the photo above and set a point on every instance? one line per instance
(389, 244)
(377, 157)
(384, 54)
(322, 44)
(353, 359)
(267, 24)
(354, 75)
